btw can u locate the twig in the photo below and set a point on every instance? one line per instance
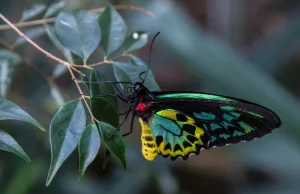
(38, 47)
(68, 65)
(109, 61)
(51, 20)
(30, 23)
(82, 96)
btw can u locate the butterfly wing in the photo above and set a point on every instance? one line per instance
(184, 123)
(166, 135)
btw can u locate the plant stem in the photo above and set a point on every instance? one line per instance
(49, 55)
(97, 10)
(68, 65)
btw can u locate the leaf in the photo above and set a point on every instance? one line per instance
(115, 144)
(8, 63)
(88, 148)
(150, 82)
(79, 32)
(22, 179)
(31, 33)
(113, 30)
(103, 108)
(56, 95)
(130, 72)
(5, 72)
(11, 111)
(51, 34)
(13, 58)
(136, 40)
(9, 144)
(106, 158)
(98, 87)
(66, 129)
(54, 8)
(104, 111)
(32, 11)
(121, 71)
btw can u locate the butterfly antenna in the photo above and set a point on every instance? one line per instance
(150, 57)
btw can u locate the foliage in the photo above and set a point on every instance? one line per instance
(81, 33)
(208, 46)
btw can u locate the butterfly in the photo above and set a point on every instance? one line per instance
(178, 124)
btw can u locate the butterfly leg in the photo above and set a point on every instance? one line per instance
(117, 129)
(124, 113)
(131, 126)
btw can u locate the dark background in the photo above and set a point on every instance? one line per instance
(246, 49)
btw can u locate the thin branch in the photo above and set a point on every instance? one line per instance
(98, 10)
(69, 66)
(82, 96)
(110, 61)
(30, 23)
(49, 55)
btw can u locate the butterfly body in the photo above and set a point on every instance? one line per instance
(178, 124)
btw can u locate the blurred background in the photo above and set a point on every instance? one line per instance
(240, 48)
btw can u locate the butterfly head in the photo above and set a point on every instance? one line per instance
(139, 93)
(138, 86)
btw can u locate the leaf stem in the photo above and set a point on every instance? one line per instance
(82, 96)
(109, 61)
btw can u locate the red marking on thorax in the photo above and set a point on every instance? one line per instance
(142, 107)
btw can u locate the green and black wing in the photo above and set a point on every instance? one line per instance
(186, 122)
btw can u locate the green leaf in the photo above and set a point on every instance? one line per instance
(54, 8)
(79, 32)
(31, 33)
(121, 71)
(32, 11)
(103, 108)
(13, 58)
(56, 95)
(150, 82)
(9, 144)
(51, 34)
(88, 148)
(11, 111)
(113, 30)
(136, 40)
(115, 144)
(5, 80)
(66, 129)
(106, 158)
(23, 179)
(130, 72)
(8, 63)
